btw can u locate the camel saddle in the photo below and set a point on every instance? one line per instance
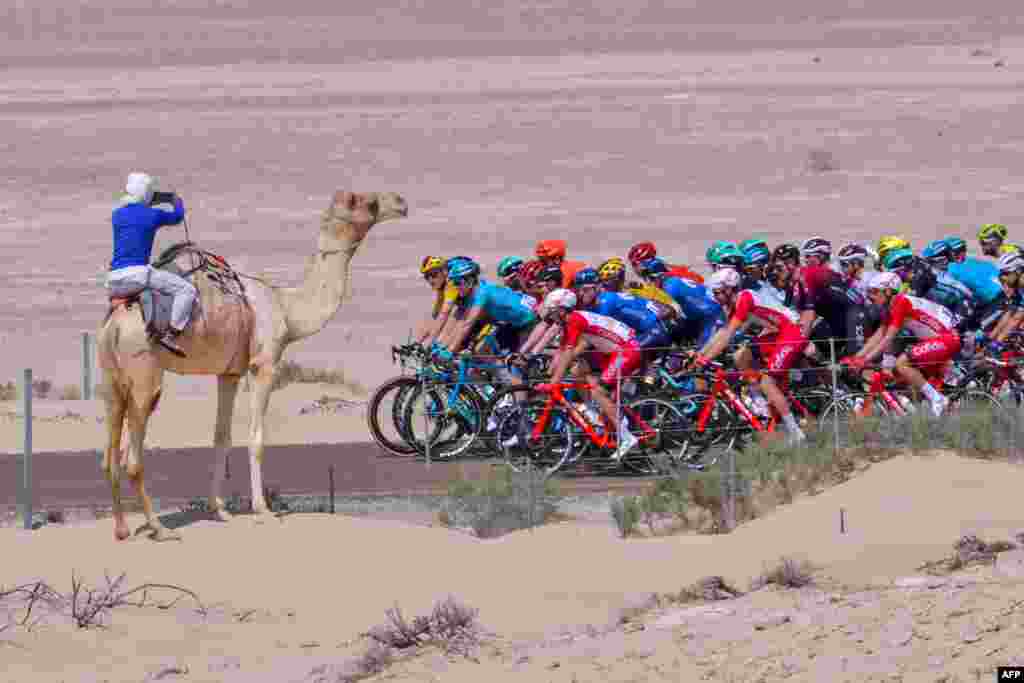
(156, 307)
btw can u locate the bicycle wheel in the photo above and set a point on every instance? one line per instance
(443, 424)
(705, 445)
(384, 415)
(661, 452)
(973, 400)
(551, 450)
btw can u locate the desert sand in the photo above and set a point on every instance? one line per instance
(501, 126)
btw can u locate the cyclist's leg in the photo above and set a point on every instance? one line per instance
(614, 367)
(783, 353)
(927, 360)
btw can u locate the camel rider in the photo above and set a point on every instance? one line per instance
(135, 223)
(552, 253)
(992, 238)
(508, 271)
(612, 274)
(642, 251)
(887, 244)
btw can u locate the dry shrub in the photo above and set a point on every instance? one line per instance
(708, 589)
(626, 512)
(788, 573)
(8, 391)
(69, 392)
(821, 161)
(502, 502)
(290, 372)
(41, 388)
(969, 551)
(450, 626)
(55, 517)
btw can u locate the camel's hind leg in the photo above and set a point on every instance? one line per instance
(141, 408)
(263, 377)
(227, 389)
(116, 404)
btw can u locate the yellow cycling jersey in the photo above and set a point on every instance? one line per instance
(448, 295)
(649, 291)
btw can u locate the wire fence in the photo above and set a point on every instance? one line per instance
(721, 427)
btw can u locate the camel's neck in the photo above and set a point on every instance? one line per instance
(312, 304)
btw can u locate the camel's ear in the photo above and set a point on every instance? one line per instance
(344, 199)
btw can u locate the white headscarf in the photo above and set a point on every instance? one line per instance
(138, 189)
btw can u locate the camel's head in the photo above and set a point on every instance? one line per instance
(351, 214)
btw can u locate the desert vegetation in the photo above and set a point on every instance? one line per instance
(501, 502)
(290, 372)
(42, 389)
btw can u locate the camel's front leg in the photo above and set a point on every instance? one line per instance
(263, 378)
(227, 389)
(116, 404)
(141, 410)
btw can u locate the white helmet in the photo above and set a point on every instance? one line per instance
(885, 280)
(1010, 262)
(139, 187)
(558, 298)
(725, 277)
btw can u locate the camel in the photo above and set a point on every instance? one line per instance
(227, 338)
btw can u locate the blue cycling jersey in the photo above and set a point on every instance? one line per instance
(692, 297)
(503, 305)
(638, 313)
(981, 277)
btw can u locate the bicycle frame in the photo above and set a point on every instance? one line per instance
(720, 387)
(601, 440)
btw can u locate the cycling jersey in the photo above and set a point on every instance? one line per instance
(644, 316)
(949, 292)
(830, 295)
(759, 309)
(503, 305)
(981, 277)
(685, 273)
(922, 318)
(449, 295)
(702, 316)
(600, 331)
(649, 291)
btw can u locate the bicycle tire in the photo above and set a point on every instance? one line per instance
(556, 447)
(721, 433)
(664, 452)
(466, 420)
(400, 385)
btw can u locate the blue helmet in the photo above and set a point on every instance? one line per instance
(936, 250)
(653, 266)
(586, 276)
(956, 244)
(462, 267)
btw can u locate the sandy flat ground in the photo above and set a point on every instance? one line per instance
(325, 579)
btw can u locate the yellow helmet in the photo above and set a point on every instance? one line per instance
(612, 268)
(1008, 249)
(991, 231)
(431, 263)
(887, 244)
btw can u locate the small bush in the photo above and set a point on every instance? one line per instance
(451, 626)
(290, 372)
(55, 517)
(821, 161)
(626, 513)
(708, 589)
(69, 392)
(789, 573)
(502, 502)
(8, 391)
(41, 388)
(969, 551)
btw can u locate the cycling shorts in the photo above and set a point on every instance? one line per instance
(780, 351)
(616, 365)
(931, 356)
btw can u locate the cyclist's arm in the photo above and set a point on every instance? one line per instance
(540, 335)
(434, 331)
(720, 341)
(806, 320)
(565, 358)
(467, 324)
(1010, 321)
(881, 339)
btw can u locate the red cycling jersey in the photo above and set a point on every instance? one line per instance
(922, 318)
(603, 333)
(761, 309)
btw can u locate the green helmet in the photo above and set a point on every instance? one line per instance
(895, 256)
(509, 265)
(719, 249)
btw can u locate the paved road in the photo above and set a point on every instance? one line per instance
(74, 479)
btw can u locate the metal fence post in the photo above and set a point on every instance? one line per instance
(426, 419)
(26, 458)
(87, 358)
(835, 393)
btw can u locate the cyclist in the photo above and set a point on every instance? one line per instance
(781, 343)
(549, 278)
(931, 324)
(831, 306)
(992, 238)
(642, 251)
(650, 320)
(527, 277)
(612, 274)
(435, 271)
(552, 253)
(921, 279)
(887, 244)
(982, 278)
(1011, 267)
(852, 258)
(702, 315)
(615, 354)
(508, 271)
(725, 255)
(482, 302)
(957, 249)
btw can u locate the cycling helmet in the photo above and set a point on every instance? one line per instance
(715, 251)
(550, 274)
(817, 246)
(509, 265)
(887, 244)
(611, 269)
(756, 253)
(641, 252)
(730, 257)
(720, 279)
(550, 249)
(785, 252)
(529, 271)
(431, 263)
(461, 267)
(992, 231)
(884, 281)
(585, 276)
(1011, 263)
(559, 298)
(937, 252)
(956, 244)
(752, 242)
(898, 258)
(853, 252)
(652, 266)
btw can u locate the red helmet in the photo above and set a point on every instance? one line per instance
(529, 271)
(551, 249)
(642, 252)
